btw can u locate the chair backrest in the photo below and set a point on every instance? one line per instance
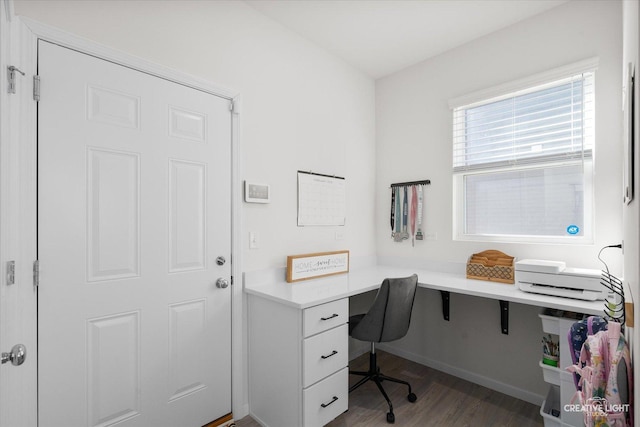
(389, 316)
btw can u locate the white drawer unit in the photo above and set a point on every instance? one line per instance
(327, 399)
(298, 362)
(325, 316)
(562, 387)
(324, 354)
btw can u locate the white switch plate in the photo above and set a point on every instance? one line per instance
(254, 240)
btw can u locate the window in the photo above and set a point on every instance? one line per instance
(522, 164)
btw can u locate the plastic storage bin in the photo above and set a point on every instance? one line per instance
(551, 374)
(550, 324)
(551, 406)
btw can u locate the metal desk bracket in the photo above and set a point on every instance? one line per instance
(445, 304)
(504, 316)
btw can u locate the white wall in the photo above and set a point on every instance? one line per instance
(413, 138)
(302, 108)
(413, 125)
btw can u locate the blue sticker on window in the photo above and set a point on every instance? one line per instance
(573, 229)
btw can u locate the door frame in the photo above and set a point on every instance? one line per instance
(34, 31)
(18, 315)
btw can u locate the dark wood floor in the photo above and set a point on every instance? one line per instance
(443, 400)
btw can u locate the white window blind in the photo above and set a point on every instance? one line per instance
(522, 163)
(542, 124)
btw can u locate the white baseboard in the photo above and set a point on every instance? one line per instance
(243, 412)
(473, 377)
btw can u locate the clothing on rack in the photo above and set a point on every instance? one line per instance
(605, 386)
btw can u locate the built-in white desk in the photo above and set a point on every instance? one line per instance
(313, 292)
(298, 335)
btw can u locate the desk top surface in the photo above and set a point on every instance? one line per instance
(313, 292)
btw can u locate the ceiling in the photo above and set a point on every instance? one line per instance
(381, 37)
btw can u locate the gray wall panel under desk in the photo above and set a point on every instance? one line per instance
(471, 345)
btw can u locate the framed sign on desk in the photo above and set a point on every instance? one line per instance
(310, 266)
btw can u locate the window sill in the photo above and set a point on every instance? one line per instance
(543, 240)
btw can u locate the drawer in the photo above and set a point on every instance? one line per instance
(325, 353)
(325, 400)
(325, 316)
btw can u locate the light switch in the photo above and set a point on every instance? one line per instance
(253, 240)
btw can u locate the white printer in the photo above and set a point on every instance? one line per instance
(554, 278)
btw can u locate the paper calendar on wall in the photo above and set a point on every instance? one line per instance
(321, 199)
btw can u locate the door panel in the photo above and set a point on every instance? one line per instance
(133, 208)
(113, 239)
(113, 375)
(187, 195)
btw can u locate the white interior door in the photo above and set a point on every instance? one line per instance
(133, 210)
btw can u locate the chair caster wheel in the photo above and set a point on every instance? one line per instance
(391, 418)
(412, 397)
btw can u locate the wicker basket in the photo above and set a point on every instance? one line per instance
(491, 265)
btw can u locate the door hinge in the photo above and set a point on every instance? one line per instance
(36, 88)
(11, 76)
(36, 273)
(11, 272)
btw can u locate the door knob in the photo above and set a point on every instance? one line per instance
(222, 283)
(17, 355)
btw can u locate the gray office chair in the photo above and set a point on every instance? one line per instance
(387, 320)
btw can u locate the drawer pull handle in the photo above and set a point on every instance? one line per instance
(333, 353)
(324, 405)
(330, 317)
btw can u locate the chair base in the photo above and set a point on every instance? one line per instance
(374, 374)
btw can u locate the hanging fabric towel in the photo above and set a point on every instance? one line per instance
(397, 236)
(419, 235)
(393, 210)
(405, 214)
(412, 213)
